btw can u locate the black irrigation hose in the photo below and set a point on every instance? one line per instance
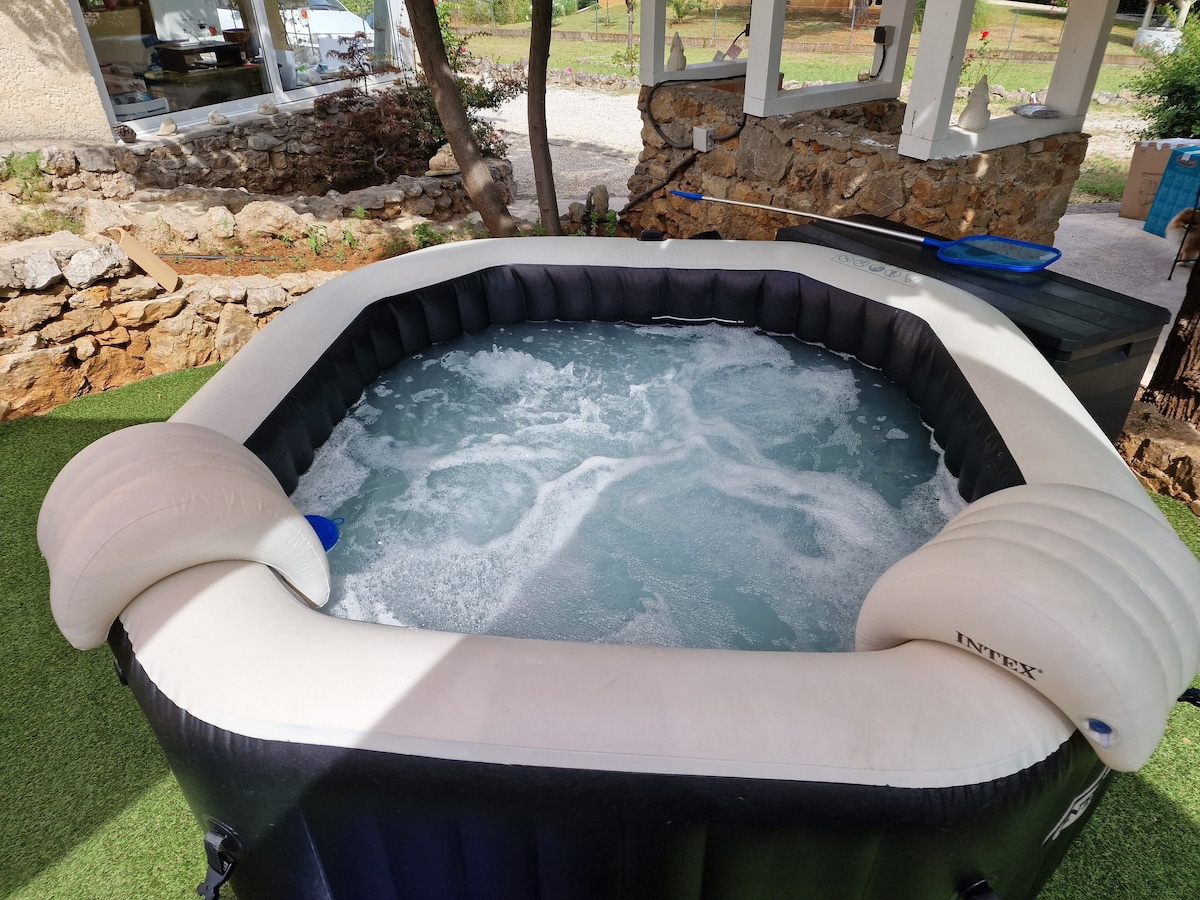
(170, 256)
(685, 146)
(688, 160)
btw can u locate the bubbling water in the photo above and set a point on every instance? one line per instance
(691, 486)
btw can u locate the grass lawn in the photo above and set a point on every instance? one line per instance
(89, 810)
(831, 51)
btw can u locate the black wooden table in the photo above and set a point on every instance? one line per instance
(1099, 341)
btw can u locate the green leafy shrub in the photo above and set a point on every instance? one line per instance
(681, 9)
(23, 169)
(374, 136)
(1168, 87)
(424, 236)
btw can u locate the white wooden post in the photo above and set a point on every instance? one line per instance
(936, 72)
(928, 133)
(652, 65)
(1080, 53)
(764, 97)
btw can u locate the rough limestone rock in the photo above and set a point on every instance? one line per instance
(134, 287)
(264, 299)
(22, 343)
(219, 223)
(100, 215)
(1164, 453)
(36, 381)
(54, 160)
(85, 348)
(180, 342)
(111, 367)
(10, 284)
(89, 266)
(90, 297)
(38, 270)
(267, 217)
(76, 322)
(146, 312)
(29, 311)
(234, 328)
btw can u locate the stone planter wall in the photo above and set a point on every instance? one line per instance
(76, 318)
(839, 162)
(259, 154)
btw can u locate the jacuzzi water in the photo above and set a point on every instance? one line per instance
(680, 486)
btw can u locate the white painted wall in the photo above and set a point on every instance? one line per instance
(47, 91)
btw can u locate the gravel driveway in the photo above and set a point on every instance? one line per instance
(595, 138)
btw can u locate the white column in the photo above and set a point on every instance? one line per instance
(653, 39)
(1085, 35)
(766, 42)
(936, 71)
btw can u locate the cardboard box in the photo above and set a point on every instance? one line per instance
(1145, 172)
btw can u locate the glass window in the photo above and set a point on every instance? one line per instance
(163, 56)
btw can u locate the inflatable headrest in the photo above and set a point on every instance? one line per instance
(1088, 599)
(151, 500)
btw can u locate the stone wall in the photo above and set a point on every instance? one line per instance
(76, 318)
(261, 154)
(837, 162)
(1164, 453)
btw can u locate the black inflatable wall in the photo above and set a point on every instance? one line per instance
(322, 823)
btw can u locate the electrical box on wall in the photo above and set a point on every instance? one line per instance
(702, 138)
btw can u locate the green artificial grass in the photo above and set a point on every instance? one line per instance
(89, 809)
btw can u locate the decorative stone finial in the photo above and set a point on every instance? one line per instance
(168, 127)
(976, 115)
(677, 61)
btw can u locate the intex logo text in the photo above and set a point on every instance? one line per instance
(997, 657)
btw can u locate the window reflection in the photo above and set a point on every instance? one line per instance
(163, 56)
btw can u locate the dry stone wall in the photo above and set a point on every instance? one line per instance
(837, 162)
(76, 317)
(216, 157)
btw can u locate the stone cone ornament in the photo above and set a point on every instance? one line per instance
(677, 61)
(976, 115)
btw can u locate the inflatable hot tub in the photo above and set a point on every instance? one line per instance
(1001, 670)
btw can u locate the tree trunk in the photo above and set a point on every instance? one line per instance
(539, 136)
(1175, 386)
(477, 178)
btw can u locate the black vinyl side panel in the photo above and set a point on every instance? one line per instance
(899, 344)
(326, 823)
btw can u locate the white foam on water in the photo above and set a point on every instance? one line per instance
(697, 486)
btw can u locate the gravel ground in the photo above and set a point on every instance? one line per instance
(595, 139)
